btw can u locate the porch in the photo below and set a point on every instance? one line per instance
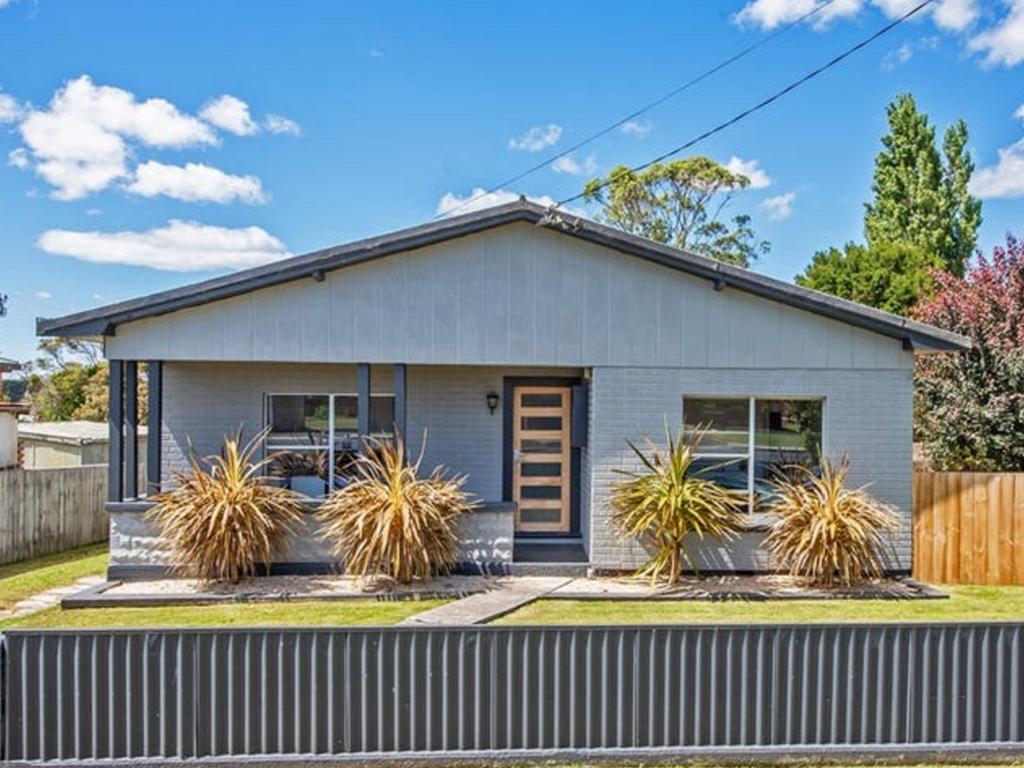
(518, 434)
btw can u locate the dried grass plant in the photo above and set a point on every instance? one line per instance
(391, 522)
(825, 531)
(666, 503)
(223, 518)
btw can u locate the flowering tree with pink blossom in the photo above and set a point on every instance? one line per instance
(970, 405)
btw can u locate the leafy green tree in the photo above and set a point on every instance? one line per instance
(890, 276)
(70, 380)
(3, 304)
(969, 406)
(921, 196)
(679, 203)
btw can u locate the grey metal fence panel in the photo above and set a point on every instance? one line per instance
(181, 693)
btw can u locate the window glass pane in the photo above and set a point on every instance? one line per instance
(346, 415)
(543, 423)
(529, 515)
(727, 421)
(541, 400)
(540, 469)
(788, 433)
(540, 446)
(382, 414)
(297, 420)
(540, 492)
(304, 472)
(730, 473)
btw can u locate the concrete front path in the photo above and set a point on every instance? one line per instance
(49, 598)
(507, 595)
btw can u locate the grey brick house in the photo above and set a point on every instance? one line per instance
(529, 347)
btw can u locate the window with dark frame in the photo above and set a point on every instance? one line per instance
(748, 441)
(312, 438)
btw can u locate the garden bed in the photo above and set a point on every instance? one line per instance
(290, 588)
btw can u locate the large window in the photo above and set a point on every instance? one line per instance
(750, 440)
(312, 439)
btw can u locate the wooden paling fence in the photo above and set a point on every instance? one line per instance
(43, 511)
(969, 527)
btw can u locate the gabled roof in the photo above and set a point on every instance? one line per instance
(104, 320)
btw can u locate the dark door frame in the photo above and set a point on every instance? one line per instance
(508, 400)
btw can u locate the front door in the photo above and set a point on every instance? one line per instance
(542, 459)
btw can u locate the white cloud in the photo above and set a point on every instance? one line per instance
(450, 201)
(569, 164)
(954, 15)
(759, 179)
(769, 14)
(635, 128)
(906, 52)
(18, 158)
(10, 110)
(194, 183)
(537, 138)
(779, 207)
(180, 246)
(79, 144)
(43, 295)
(1005, 178)
(281, 124)
(1003, 44)
(230, 114)
(376, 53)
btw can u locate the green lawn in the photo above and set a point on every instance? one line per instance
(299, 613)
(964, 604)
(29, 577)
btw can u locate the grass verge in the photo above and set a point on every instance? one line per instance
(30, 577)
(310, 613)
(964, 604)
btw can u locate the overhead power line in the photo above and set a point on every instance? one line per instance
(760, 105)
(645, 108)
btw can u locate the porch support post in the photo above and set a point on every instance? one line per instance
(363, 402)
(131, 429)
(400, 400)
(115, 426)
(154, 422)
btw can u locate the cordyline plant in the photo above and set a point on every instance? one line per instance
(825, 531)
(666, 503)
(391, 522)
(969, 408)
(222, 518)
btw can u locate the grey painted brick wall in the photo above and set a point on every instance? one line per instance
(867, 414)
(136, 548)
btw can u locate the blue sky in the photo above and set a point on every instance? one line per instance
(347, 119)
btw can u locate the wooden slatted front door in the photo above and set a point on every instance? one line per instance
(541, 450)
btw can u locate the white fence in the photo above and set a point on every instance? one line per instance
(49, 510)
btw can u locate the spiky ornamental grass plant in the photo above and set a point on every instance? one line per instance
(388, 521)
(666, 503)
(825, 531)
(223, 518)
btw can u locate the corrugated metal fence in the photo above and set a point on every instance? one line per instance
(168, 693)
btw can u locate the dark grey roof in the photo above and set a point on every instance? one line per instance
(104, 320)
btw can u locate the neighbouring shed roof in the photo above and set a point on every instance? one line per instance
(104, 320)
(7, 365)
(68, 432)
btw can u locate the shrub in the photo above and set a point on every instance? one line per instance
(969, 405)
(665, 503)
(222, 517)
(389, 521)
(826, 531)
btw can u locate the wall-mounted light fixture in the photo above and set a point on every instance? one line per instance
(492, 401)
